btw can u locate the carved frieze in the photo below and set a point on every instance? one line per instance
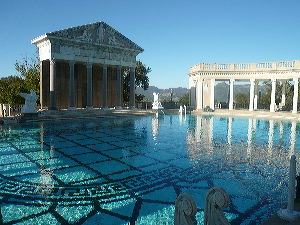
(68, 50)
(97, 33)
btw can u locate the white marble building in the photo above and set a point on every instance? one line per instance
(81, 67)
(202, 78)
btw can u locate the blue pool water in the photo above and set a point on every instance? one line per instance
(129, 170)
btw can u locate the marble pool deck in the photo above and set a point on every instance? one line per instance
(261, 114)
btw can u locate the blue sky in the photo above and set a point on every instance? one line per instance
(175, 34)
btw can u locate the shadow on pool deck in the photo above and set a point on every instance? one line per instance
(275, 219)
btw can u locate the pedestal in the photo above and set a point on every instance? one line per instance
(29, 116)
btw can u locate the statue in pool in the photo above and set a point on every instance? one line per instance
(156, 103)
(30, 102)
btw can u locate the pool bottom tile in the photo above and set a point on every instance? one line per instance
(12, 212)
(154, 213)
(74, 174)
(102, 218)
(166, 194)
(74, 213)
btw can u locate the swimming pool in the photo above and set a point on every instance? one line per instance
(117, 170)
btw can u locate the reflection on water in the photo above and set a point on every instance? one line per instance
(252, 153)
(293, 138)
(211, 131)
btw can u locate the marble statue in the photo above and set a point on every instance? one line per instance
(30, 102)
(185, 210)
(216, 199)
(156, 103)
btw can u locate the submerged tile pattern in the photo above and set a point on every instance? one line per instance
(129, 170)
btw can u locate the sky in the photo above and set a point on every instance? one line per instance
(175, 34)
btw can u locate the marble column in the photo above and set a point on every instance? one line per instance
(295, 98)
(119, 87)
(272, 105)
(89, 89)
(132, 88)
(104, 87)
(255, 95)
(72, 84)
(251, 102)
(52, 84)
(199, 95)
(42, 102)
(212, 94)
(231, 94)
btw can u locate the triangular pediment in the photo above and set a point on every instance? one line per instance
(96, 33)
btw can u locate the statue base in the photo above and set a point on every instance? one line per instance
(288, 216)
(29, 116)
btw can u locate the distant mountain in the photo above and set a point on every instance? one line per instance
(163, 93)
(221, 91)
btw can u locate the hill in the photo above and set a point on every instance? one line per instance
(164, 93)
(221, 91)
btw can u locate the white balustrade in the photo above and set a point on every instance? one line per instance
(264, 66)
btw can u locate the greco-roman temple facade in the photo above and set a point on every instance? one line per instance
(202, 78)
(81, 67)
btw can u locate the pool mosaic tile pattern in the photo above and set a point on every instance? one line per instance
(129, 170)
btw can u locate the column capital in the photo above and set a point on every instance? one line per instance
(52, 61)
(132, 69)
(232, 80)
(104, 66)
(119, 67)
(72, 62)
(89, 64)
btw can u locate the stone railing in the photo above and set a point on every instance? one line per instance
(247, 67)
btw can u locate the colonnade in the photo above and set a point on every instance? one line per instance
(89, 86)
(202, 78)
(253, 103)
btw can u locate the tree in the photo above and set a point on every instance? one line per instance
(266, 98)
(10, 87)
(185, 98)
(29, 69)
(141, 80)
(242, 99)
